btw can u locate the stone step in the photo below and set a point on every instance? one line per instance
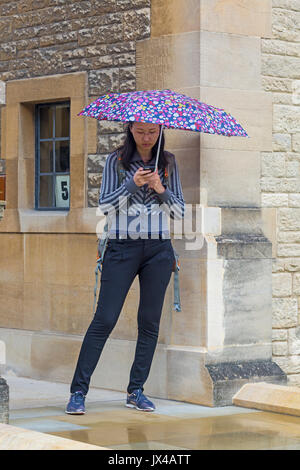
(269, 397)
(15, 438)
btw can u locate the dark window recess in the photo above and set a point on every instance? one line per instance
(52, 168)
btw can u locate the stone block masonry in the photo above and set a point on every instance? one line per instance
(4, 400)
(280, 179)
(47, 37)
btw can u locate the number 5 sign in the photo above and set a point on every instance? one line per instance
(62, 190)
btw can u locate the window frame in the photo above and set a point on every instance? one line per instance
(38, 140)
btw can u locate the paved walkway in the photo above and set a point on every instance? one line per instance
(39, 406)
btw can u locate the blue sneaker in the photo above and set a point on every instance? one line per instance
(76, 404)
(139, 401)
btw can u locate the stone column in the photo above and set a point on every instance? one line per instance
(222, 338)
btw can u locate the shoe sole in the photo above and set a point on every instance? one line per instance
(75, 412)
(140, 409)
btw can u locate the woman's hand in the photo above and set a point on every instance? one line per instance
(142, 177)
(155, 183)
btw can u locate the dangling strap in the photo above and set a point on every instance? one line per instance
(102, 243)
(177, 304)
(98, 268)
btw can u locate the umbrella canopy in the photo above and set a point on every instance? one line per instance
(165, 107)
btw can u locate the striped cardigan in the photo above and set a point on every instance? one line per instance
(139, 211)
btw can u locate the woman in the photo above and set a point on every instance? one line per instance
(140, 245)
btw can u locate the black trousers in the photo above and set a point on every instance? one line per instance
(150, 259)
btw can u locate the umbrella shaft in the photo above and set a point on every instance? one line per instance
(158, 148)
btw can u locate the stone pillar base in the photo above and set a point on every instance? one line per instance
(4, 394)
(229, 377)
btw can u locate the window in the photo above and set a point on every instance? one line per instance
(52, 167)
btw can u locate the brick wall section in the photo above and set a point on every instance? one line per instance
(280, 179)
(46, 37)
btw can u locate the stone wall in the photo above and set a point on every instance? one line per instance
(46, 37)
(2, 172)
(280, 179)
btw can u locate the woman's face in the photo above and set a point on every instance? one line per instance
(145, 135)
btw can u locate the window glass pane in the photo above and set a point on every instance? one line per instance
(46, 122)
(46, 157)
(62, 121)
(62, 154)
(62, 190)
(46, 191)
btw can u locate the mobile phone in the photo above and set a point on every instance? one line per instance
(149, 167)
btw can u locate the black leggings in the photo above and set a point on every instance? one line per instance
(152, 260)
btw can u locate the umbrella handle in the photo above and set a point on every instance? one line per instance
(158, 148)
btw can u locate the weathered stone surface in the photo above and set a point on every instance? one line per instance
(276, 84)
(285, 24)
(281, 142)
(282, 66)
(94, 180)
(243, 246)
(2, 206)
(294, 338)
(127, 79)
(282, 284)
(229, 377)
(288, 249)
(2, 166)
(230, 190)
(45, 38)
(4, 401)
(288, 237)
(292, 168)
(111, 127)
(109, 142)
(247, 296)
(296, 142)
(96, 163)
(272, 164)
(269, 397)
(274, 200)
(294, 200)
(285, 312)
(93, 197)
(280, 185)
(16, 438)
(286, 119)
(136, 24)
(289, 218)
(279, 348)
(103, 81)
(287, 4)
(239, 18)
(277, 47)
(279, 335)
(242, 225)
(289, 364)
(292, 265)
(223, 64)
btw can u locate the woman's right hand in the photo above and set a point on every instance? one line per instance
(142, 176)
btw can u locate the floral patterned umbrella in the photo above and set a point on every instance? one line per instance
(167, 108)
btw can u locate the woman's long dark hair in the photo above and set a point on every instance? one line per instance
(127, 150)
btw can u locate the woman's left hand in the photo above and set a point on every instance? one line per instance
(155, 183)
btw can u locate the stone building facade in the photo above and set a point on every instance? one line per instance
(280, 179)
(244, 58)
(42, 38)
